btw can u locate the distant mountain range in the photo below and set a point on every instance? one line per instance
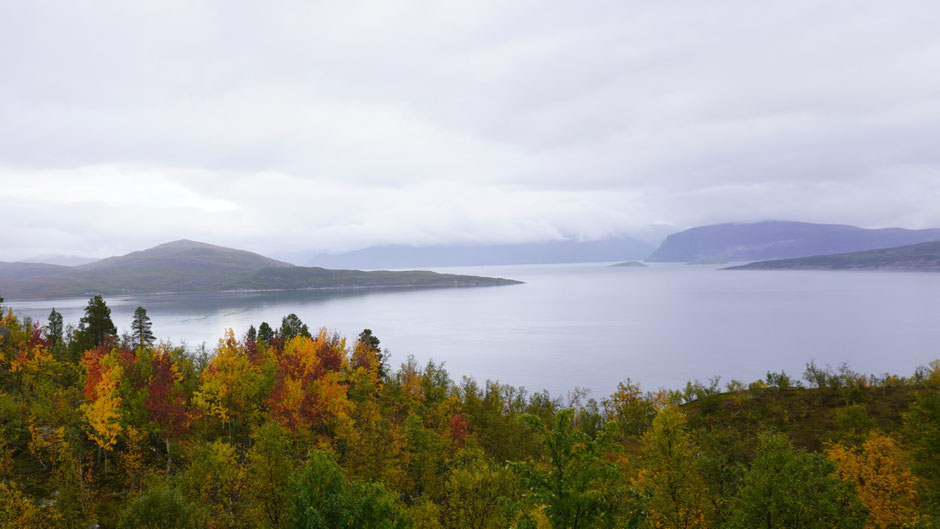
(924, 256)
(188, 266)
(567, 251)
(769, 240)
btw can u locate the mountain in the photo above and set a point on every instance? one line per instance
(189, 266)
(924, 256)
(188, 255)
(780, 240)
(63, 260)
(24, 270)
(567, 251)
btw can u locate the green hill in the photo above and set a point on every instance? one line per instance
(924, 256)
(188, 266)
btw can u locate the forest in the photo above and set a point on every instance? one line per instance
(284, 427)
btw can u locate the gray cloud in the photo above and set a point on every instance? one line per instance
(266, 126)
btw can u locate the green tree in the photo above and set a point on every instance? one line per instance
(922, 425)
(96, 325)
(265, 333)
(161, 507)
(324, 499)
(291, 327)
(575, 478)
(252, 334)
(793, 489)
(140, 327)
(55, 329)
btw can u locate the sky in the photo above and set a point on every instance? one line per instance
(288, 127)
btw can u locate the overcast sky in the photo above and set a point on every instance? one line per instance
(279, 126)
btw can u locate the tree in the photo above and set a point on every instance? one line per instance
(787, 488)
(672, 476)
(575, 479)
(885, 485)
(96, 325)
(164, 404)
(367, 353)
(265, 333)
(291, 327)
(54, 330)
(140, 326)
(922, 425)
(325, 499)
(251, 335)
(159, 507)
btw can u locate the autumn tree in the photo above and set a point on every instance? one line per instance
(96, 325)
(885, 484)
(140, 327)
(478, 493)
(164, 404)
(231, 386)
(102, 407)
(309, 396)
(789, 488)
(672, 473)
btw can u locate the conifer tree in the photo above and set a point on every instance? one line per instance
(54, 330)
(96, 325)
(265, 333)
(140, 327)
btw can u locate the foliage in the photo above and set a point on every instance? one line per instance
(141, 328)
(278, 431)
(791, 488)
(885, 485)
(325, 499)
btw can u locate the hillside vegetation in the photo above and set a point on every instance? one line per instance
(287, 428)
(925, 256)
(188, 266)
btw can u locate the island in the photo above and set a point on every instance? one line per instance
(190, 266)
(920, 257)
(629, 264)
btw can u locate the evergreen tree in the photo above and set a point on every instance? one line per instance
(252, 335)
(291, 326)
(54, 330)
(140, 327)
(265, 333)
(96, 325)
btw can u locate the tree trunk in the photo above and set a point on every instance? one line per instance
(168, 460)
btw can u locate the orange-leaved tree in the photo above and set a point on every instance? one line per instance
(885, 484)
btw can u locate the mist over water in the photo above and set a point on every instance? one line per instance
(591, 325)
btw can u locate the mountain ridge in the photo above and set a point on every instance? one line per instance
(769, 240)
(550, 252)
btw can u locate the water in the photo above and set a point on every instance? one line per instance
(591, 325)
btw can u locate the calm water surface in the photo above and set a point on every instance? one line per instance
(591, 325)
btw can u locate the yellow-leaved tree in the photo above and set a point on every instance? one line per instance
(885, 484)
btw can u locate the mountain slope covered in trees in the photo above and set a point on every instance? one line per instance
(188, 266)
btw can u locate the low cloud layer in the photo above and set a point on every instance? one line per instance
(287, 127)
